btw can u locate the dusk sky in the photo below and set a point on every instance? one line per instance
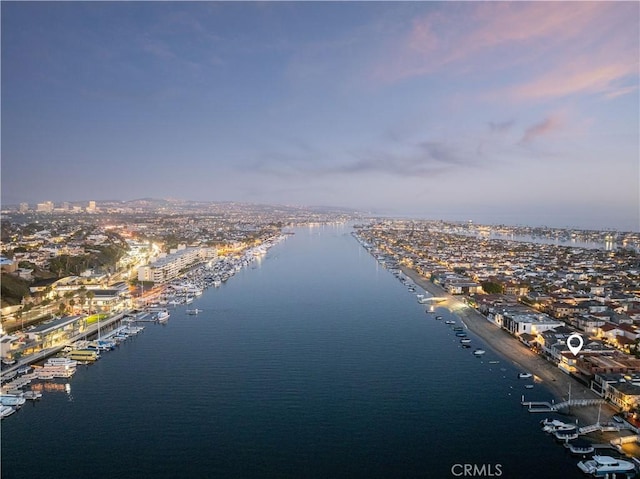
(515, 113)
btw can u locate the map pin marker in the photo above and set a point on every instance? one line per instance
(575, 349)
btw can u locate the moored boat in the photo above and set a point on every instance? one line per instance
(579, 447)
(479, 352)
(61, 362)
(525, 375)
(6, 411)
(607, 466)
(162, 316)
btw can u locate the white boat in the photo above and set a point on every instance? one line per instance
(465, 340)
(525, 375)
(449, 321)
(61, 362)
(11, 400)
(162, 316)
(193, 311)
(32, 395)
(6, 411)
(48, 372)
(554, 425)
(479, 352)
(606, 466)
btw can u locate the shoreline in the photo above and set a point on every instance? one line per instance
(512, 350)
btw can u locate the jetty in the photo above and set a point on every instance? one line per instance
(545, 406)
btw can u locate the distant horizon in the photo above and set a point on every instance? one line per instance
(499, 112)
(509, 221)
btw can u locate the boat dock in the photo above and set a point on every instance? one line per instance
(45, 353)
(545, 406)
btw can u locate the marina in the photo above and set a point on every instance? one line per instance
(290, 385)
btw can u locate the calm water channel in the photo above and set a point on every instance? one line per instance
(316, 362)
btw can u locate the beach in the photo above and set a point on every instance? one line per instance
(511, 349)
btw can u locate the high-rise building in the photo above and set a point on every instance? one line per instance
(46, 207)
(24, 207)
(92, 207)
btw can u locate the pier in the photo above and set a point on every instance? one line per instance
(545, 406)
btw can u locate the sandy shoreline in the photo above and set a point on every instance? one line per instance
(522, 357)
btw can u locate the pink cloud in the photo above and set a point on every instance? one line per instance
(579, 78)
(550, 124)
(566, 47)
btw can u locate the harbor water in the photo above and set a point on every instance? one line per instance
(313, 362)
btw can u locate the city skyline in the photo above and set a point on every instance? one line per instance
(514, 113)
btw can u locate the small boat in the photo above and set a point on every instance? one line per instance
(12, 400)
(465, 340)
(525, 375)
(494, 362)
(193, 311)
(32, 395)
(566, 434)
(6, 411)
(438, 317)
(528, 386)
(458, 328)
(162, 316)
(449, 321)
(466, 346)
(579, 447)
(479, 352)
(461, 334)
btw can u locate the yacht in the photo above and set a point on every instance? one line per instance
(606, 466)
(553, 425)
(162, 316)
(61, 362)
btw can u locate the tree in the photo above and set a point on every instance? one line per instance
(491, 287)
(90, 295)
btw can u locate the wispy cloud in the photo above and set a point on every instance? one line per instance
(424, 159)
(579, 78)
(550, 124)
(562, 48)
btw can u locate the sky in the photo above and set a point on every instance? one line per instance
(496, 112)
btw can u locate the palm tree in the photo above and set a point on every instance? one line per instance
(90, 295)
